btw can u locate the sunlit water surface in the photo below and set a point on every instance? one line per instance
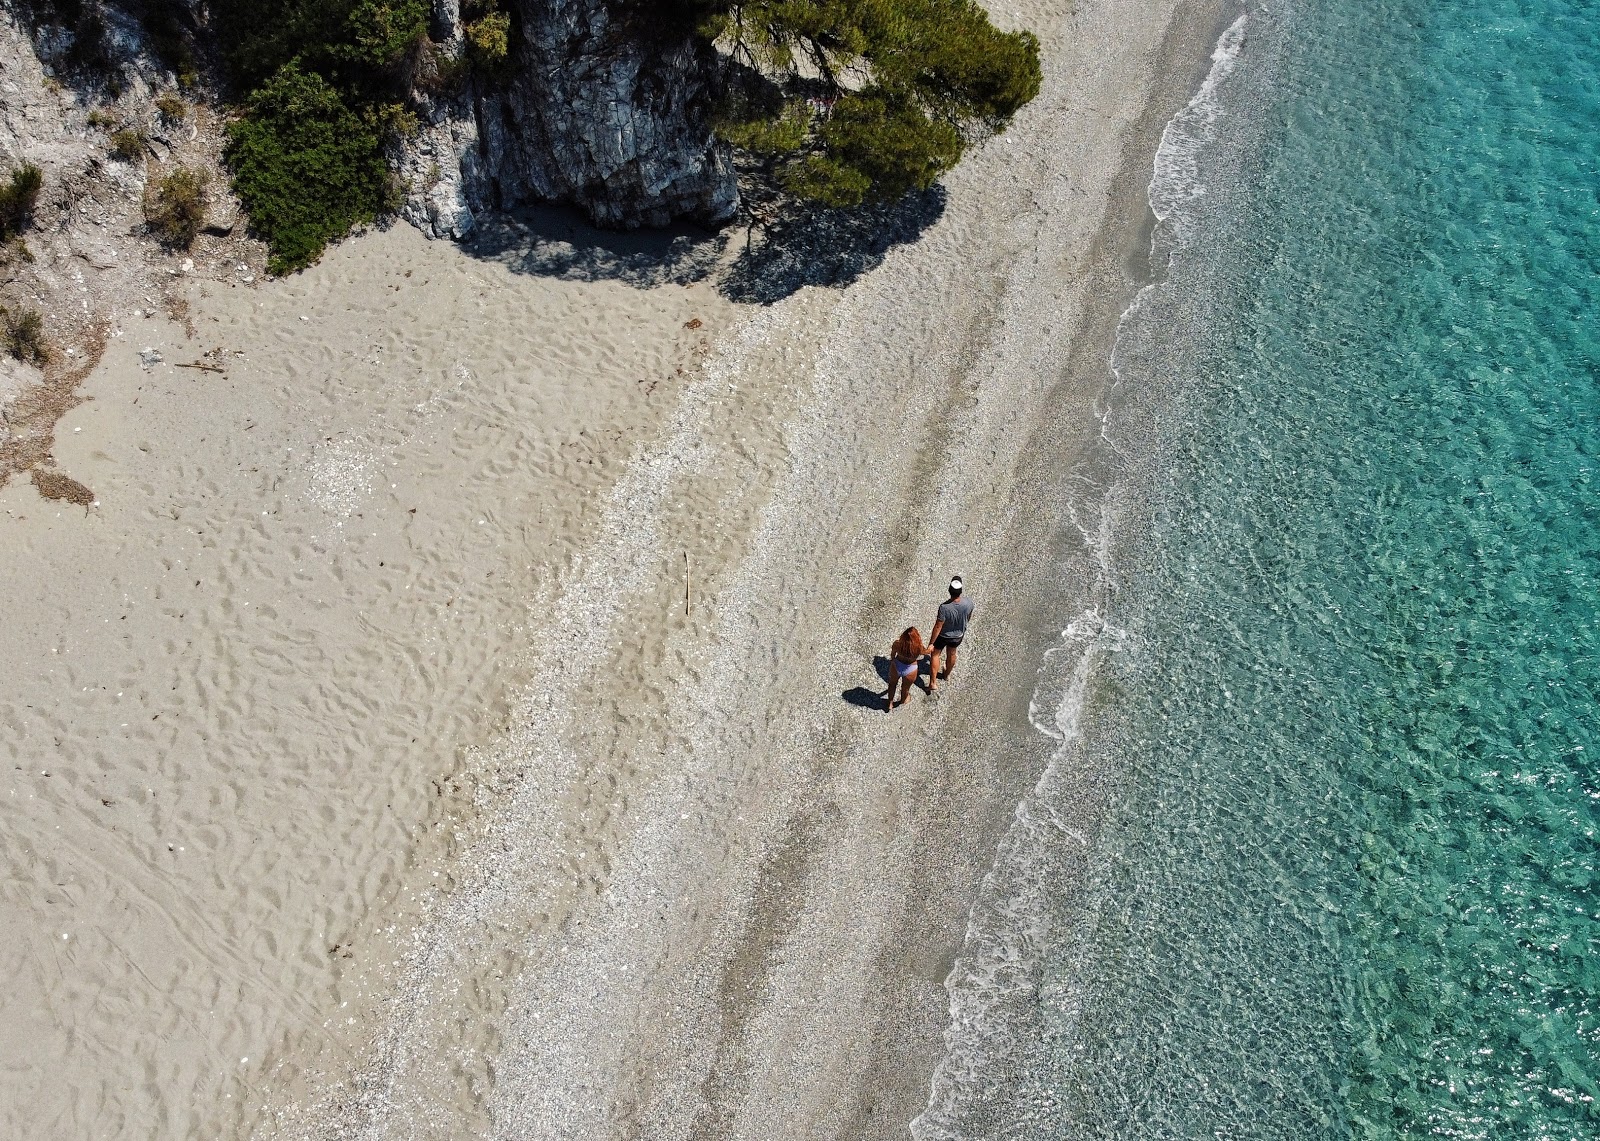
(1347, 679)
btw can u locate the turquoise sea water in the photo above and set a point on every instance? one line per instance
(1346, 883)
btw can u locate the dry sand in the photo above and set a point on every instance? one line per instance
(457, 717)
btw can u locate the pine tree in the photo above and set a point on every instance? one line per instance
(849, 101)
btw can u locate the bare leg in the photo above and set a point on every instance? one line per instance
(933, 669)
(950, 660)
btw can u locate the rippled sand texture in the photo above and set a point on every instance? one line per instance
(233, 690)
(717, 891)
(563, 806)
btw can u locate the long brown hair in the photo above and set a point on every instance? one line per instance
(909, 644)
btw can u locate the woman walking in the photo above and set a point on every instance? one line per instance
(905, 659)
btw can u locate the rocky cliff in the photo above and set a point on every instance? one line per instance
(616, 124)
(584, 112)
(82, 264)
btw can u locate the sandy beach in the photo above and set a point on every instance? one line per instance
(458, 714)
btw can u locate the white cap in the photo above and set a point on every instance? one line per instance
(955, 584)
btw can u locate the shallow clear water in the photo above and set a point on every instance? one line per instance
(1347, 883)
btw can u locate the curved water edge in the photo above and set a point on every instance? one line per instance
(1343, 884)
(988, 1080)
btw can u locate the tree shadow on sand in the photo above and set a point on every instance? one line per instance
(796, 245)
(555, 241)
(755, 261)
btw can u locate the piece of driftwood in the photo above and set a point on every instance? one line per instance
(688, 581)
(201, 365)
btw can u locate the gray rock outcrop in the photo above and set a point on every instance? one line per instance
(613, 123)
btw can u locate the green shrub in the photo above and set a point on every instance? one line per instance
(175, 206)
(938, 74)
(391, 120)
(355, 42)
(307, 155)
(874, 145)
(101, 118)
(22, 334)
(172, 108)
(379, 33)
(129, 143)
(18, 198)
(781, 130)
(306, 167)
(489, 42)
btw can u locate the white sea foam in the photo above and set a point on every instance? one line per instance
(993, 986)
(1176, 182)
(995, 1036)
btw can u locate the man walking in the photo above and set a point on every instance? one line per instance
(948, 630)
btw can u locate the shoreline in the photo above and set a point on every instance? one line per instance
(685, 895)
(1064, 587)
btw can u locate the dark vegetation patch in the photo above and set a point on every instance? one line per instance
(22, 334)
(358, 45)
(175, 206)
(169, 30)
(320, 82)
(859, 101)
(306, 166)
(60, 485)
(87, 54)
(169, 26)
(18, 196)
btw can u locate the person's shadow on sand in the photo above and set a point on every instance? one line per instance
(874, 698)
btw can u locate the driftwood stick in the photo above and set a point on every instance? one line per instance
(688, 581)
(205, 367)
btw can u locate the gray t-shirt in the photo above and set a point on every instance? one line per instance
(954, 615)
